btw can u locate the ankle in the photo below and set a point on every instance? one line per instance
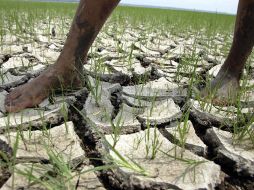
(228, 73)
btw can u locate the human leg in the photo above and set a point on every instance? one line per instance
(226, 83)
(89, 19)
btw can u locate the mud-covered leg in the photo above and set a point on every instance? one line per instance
(89, 19)
(226, 84)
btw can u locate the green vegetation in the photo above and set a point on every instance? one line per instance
(17, 16)
(23, 20)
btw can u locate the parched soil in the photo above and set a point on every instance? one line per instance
(137, 124)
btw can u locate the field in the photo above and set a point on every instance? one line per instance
(139, 122)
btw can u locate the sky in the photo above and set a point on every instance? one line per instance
(225, 6)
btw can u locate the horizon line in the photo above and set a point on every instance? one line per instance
(144, 6)
(174, 8)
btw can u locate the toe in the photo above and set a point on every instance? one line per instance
(13, 94)
(8, 102)
(18, 104)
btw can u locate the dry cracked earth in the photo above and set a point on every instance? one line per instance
(134, 118)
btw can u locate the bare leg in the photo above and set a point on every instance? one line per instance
(226, 83)
(89, 19)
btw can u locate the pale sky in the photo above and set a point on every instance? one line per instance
(225, 6)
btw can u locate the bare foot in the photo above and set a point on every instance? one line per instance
(34, 92)
(222, 91)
